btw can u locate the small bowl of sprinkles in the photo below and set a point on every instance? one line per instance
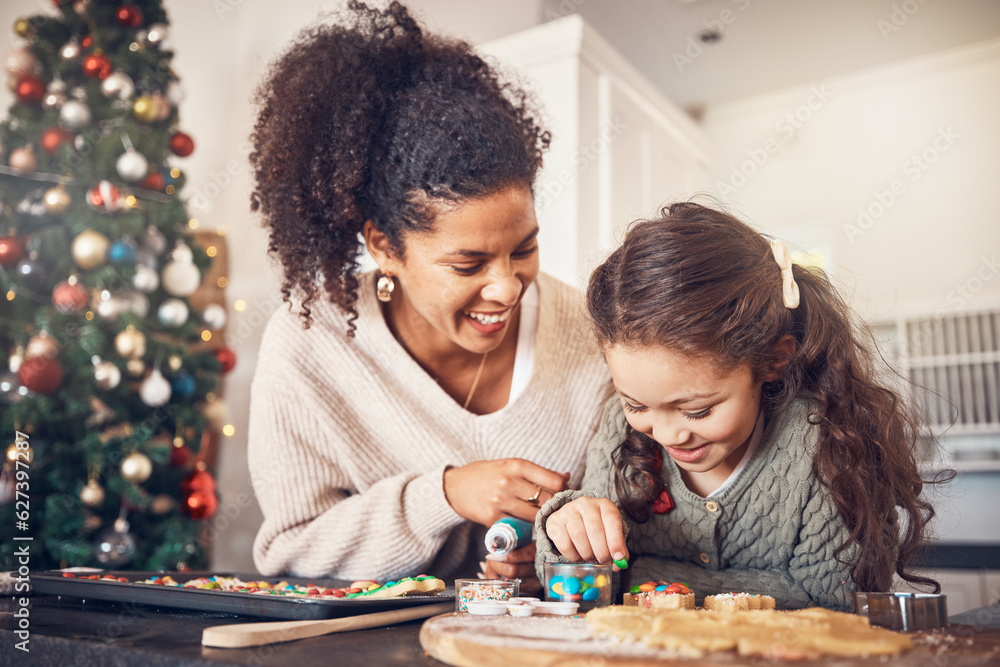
(484, 590)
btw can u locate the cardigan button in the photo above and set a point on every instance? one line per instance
(704, 557)
(712, 506)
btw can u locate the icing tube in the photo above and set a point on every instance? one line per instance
(508, 534)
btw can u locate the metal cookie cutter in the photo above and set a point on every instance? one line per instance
(903, 611)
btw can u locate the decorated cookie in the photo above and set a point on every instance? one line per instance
(738, 602)
(660, 595)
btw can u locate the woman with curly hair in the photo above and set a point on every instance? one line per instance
(396, 413)
(751, 446)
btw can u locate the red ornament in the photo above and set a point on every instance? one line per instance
(181, 144)
(226, 357)
(199, 480)
(154, 181)
(200, 504)
(86, 42)
(129, 16)
(30, 90)
(11, 251)
(180, 456)
(40, 374)
(105, 197)
(97, 66)
(54, 137)
(70, 298)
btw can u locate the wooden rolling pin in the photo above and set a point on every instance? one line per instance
(258, 634)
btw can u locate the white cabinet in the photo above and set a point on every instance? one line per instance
(620, 150)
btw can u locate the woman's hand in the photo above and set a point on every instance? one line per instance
(587, 530)
(485, 491)
(518, 564)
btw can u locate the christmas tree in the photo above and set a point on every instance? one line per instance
(108, 402)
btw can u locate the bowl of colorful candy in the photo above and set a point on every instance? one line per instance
(586, 583)
(484, 590)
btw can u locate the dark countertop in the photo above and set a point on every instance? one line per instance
(69, 632)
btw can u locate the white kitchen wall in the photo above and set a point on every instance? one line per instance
(891, 171)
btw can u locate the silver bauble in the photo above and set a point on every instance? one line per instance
(153, 239)
(132, 165)
(214, 316)
(157, 33)
(107, 375)
(70, 51)
(173, 312)
(115, 547)
(146, 257)
(119, 85)
(74, 115)
(53, 100)
(136, 302)
(108, 306)
(145, 279)
(155, 390)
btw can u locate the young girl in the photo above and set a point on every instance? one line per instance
(750, 447)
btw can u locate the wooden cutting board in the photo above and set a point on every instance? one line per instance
(463, 640)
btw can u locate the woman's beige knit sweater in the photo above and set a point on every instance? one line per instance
(349, 439)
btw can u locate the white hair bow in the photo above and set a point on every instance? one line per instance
(789, 288)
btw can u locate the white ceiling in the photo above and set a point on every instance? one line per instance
(768, 45)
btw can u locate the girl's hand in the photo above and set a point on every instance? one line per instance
(518, 564)
(485, 491)
(587, 530)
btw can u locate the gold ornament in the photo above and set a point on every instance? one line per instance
(174, 362)
(136, 468)
(23, 160)
(130, 343)
(135, 367)
(90, 249)
(145, 108)
(92, 494)
(41, 345)
(162, 504)
(56, 200)
(107, 374)
(22, 27)
(92, 523)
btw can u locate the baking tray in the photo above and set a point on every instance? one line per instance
(248, 604)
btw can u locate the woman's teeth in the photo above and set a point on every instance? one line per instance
(493, 318)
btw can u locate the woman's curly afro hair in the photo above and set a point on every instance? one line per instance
(372, 120)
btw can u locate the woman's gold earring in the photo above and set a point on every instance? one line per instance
(383, 291)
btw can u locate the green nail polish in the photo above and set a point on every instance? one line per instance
(621, 563)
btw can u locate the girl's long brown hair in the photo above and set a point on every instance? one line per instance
(701, 282)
